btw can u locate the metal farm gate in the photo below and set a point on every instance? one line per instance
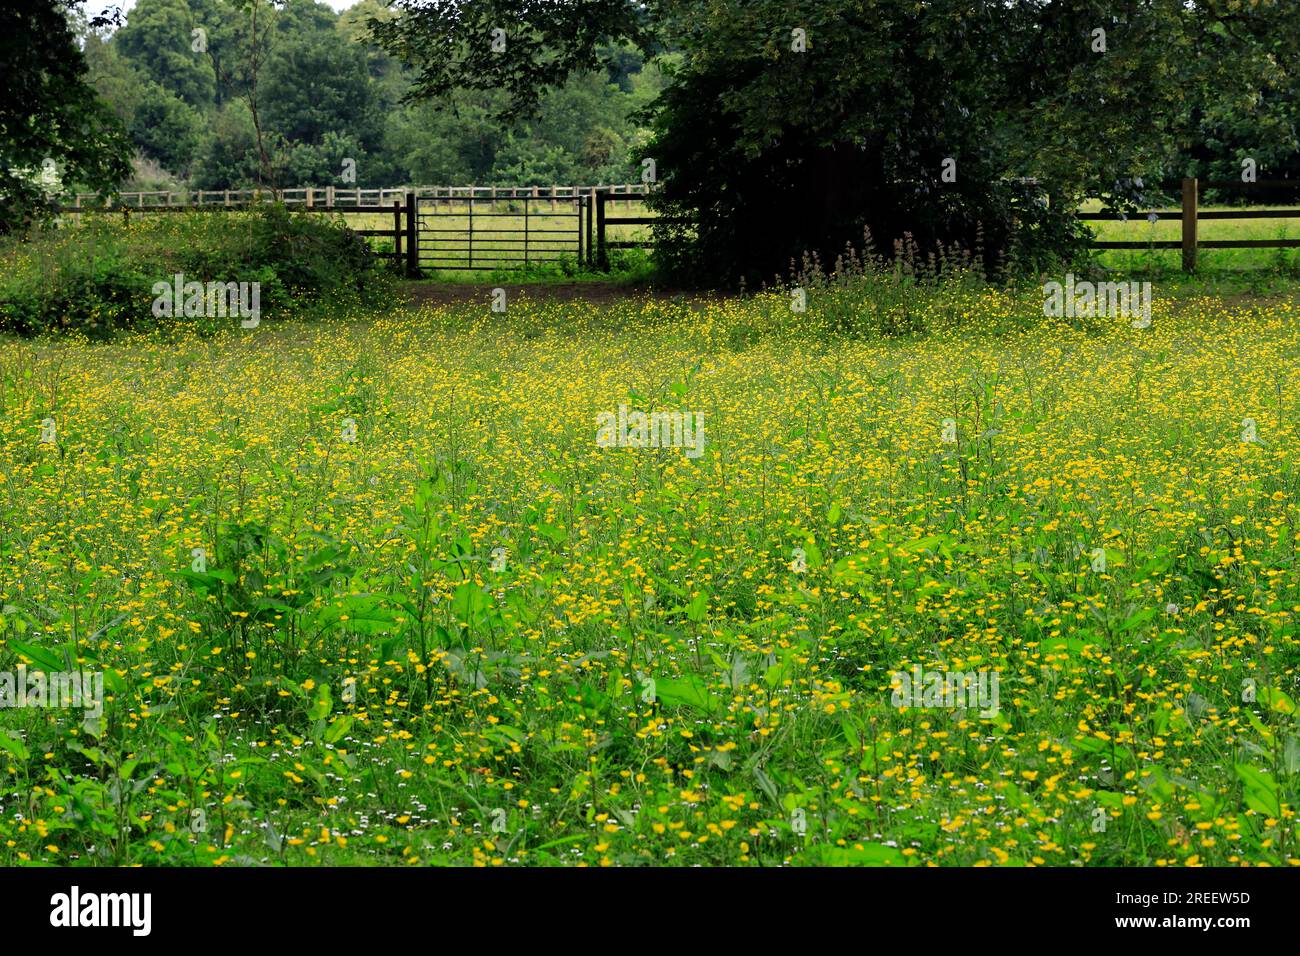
(490, 233)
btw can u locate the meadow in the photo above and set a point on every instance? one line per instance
(366, 590)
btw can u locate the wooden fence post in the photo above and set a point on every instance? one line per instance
(602, 254)
(397, 231)
(1189, 224)
(412, 243)
(589, 203)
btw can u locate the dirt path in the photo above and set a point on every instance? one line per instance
(448, 293)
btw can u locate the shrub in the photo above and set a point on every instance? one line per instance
(99, 277)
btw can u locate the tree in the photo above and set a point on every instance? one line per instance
(228, 156)
(159, 40)
(571, 139)
(166, 128)
(258, 17)
(455, 144)
(225, 30)
(50, 116)
(352, 27)
(299, 17)
(316, 84)
(114, 78)
(312, 83)
(520, 47)
(319, 164)
(792, 124)
(765, 135)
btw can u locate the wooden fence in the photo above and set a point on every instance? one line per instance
(603, 221)
(402, 233)
(400, 229)
(1190, 216)
(593, 201)
(334, 197)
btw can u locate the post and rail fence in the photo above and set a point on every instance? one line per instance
(1190, 215)
(333, 197)
(416, 222)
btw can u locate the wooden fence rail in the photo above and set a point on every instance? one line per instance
(1190, 215)
(331, 197)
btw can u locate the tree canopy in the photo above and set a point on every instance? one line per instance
(792, 124)
(53, 128)
(229, 93)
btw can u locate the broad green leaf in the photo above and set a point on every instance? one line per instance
(338, 730)
(469, 602)
(1261, 791)
(14, 745)
(689, 691)
(43, 657)
(1277, 700)
(322, 705)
